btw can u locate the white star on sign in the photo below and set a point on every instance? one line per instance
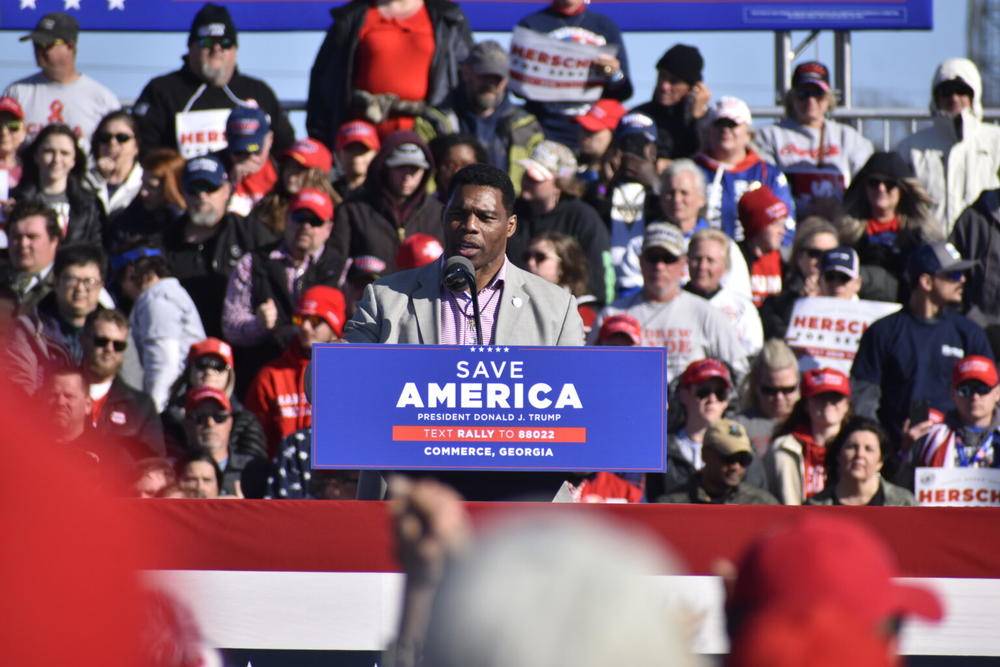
(72, 4)
(116, 4)
(28, 4)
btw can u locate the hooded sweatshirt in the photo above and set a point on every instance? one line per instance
(956, 158)
(372, 222)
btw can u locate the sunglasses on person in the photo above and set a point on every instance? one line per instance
(950, 88)
(741, 458)
(314, 320)
(813, 253)
(201, 187)
(207, 363)
(13, 125)
(704, 392)
(120, 137)
(809, 91)
(889, 184)
(307, 218)
(537, 257)
(725, 122)
(202, 418)
(768, 390)
(660, 257)
(836, 278)
(102, 342)
(951, 276)
(969, 388)
(212, 42)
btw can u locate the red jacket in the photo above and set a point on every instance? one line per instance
(277, 397)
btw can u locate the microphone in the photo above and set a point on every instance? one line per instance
(458, 275)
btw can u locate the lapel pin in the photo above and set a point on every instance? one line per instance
(516, 302)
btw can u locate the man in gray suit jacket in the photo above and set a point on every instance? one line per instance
(523, 309)
(518, 308)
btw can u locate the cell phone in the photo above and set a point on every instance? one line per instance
(920, 411)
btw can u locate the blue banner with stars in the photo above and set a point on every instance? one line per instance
(442, 407)
(501, 15)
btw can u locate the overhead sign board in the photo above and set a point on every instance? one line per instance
(437, 407)
(634, 15)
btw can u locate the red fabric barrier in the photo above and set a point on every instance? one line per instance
(338, 536)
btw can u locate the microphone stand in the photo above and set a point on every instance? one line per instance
(471, 280)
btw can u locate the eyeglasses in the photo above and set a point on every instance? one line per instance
(12, 125)
(660, 257)
(314, 320)
(306, 218)
(704, 392)
(120, 137)
(969, 388)
(201, 187)
(202, 418)
(951, 276)
(208, 363)
(889, 184)
(537, 257)
(768, 390)
(87, 284)
(212, 42)
(741, 458)
(102, 342)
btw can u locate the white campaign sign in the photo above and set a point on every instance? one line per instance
(958, 487)
(545, 69)
(201, 132)
(824, 332)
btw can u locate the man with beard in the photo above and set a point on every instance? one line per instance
(117, 411)
(205, 244)
(187, 110)
(480, 106)
(727, 454)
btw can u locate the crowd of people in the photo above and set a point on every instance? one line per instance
(168, 267)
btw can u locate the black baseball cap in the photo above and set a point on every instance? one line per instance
(54, 26)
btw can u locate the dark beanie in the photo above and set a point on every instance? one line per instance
(889, 165)
(212, 21)
(684, 62)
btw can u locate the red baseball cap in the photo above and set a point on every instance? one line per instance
(822, 380)
(357, 131)
(621, 323)
(328, 303)
(603, 115)
(313, 200)
(211, 346)
(974, 367)
(310, 153)
(418, 250)
(198, 395)
(705, 369)
(836, 560)
(10, 105)
(758, 208)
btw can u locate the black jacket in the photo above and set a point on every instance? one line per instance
(366, 224)
(165, 95)
(130, 416)
(203, 269)
(86, 218)
(331, 79)
(976, 235)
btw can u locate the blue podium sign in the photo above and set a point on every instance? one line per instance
(440, 407)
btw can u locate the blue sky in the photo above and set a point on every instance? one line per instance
(890, 68)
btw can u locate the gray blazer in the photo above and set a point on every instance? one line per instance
(405, 307)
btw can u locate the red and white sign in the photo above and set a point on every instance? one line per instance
(958, 487)
(824, 332)
(545, 69)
